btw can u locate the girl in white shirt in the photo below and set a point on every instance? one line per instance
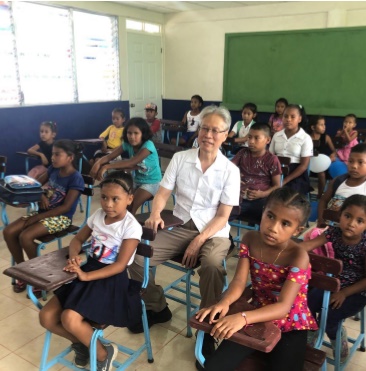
(293, 142)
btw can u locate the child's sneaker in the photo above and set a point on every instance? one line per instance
(112, 351)
(344, 345)
(81, 354)
(19, 286)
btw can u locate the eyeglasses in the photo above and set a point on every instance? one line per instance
(215, 132)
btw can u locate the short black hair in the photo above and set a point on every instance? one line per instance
(354, 200)
(263, 127)
(198, 97)
(352, 115)
(251, 106)
(121, 178)
(120, 111)
(290, 198)
(142, 125)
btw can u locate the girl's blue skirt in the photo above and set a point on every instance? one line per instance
(114, 301)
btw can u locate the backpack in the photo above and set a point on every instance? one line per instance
(20, 189)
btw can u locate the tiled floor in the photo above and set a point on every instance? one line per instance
(21, 336)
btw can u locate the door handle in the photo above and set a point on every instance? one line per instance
(132, 105)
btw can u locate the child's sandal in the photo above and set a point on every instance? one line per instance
(19, 286)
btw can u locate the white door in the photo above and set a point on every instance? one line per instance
(144, 72)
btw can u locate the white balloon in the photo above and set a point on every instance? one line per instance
(319, 163)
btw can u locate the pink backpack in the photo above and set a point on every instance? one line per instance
(325, 250)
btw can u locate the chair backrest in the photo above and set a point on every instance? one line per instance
(331, 215)
(316, 144)
(338, 142)
(3, 160)
(361, 136)
(167, 150)
(172, 125)
(324, 272)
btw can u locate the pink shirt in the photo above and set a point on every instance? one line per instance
(276, 123)
(267, 281)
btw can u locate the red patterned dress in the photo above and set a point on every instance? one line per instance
(267, 282)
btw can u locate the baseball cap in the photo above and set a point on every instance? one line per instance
(151, 106)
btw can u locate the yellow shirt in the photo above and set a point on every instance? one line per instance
(114, 136)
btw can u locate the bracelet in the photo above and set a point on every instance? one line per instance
(244, 315)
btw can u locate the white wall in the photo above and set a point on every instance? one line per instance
(122, 12)
(194, 41)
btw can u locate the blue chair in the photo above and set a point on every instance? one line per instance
(52, 262)
(184, 283)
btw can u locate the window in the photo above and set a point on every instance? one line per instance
(96, 56)
(51, 54)
(9, 89)
(142, 26)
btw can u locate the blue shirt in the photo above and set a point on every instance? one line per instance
(58, 187)
(149, 172)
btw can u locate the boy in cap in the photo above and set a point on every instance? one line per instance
(151, 110)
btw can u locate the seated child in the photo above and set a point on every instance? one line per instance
(349, 245)
(102, 292)
(345, 185)
(241, 128)
(192, 120)
(142, 154)
(56, 208)
(294, 143)
(349, 136)
(112, 135)
(326, 147)
(279, 271)
(275, 120)
(151, 110)
(43, 149)
(260, 171)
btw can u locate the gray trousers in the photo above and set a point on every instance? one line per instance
(171, 243)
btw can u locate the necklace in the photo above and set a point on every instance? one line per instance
(278, 255)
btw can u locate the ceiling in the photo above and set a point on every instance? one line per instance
(166, 7)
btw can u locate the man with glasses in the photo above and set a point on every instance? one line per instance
(207, 187)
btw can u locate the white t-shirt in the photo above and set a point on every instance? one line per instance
(193, 122)
(343, 192)
(200, 194)
(243, 131)
(107, 239)
(295, 147)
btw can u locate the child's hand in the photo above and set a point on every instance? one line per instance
(333, 157)
(253, 194)
(94, 170)
(29, 220)
(337, 299)
(227, 326)
(220, 308)
(73, 266)
(101, 172)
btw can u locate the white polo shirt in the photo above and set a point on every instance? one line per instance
(243, 131)
(295, 147)
(199, 194)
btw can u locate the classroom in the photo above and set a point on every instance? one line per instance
(190, 46)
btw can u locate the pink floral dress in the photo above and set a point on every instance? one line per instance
(276, 123)
(267, 281)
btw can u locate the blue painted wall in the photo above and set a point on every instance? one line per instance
(19, 126)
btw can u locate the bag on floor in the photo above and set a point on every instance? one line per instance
(20, 189)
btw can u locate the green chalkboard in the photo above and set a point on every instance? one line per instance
(325, 70)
